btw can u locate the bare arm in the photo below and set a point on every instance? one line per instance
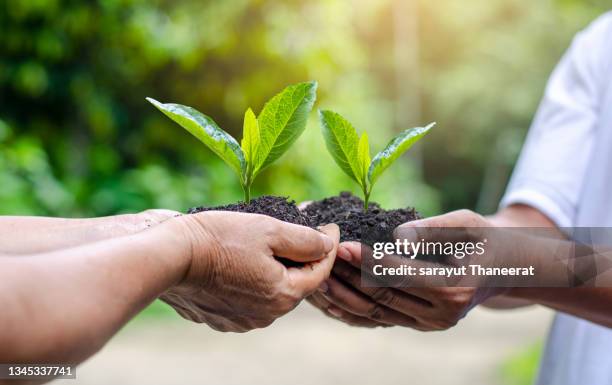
(62, 306)
(550, 256)
(426, 307)
(516, 216)
(30, 235)
(217, 268)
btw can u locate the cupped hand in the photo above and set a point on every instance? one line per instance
(424, 308)
(235, 281)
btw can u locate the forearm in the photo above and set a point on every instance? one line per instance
(76, 299)
(593, 304)
(504, 302)
(32, 235)
(515, 216)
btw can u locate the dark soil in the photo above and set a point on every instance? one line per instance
(346, 210)
(276, 207)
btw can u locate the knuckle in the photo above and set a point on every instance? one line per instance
(284, 301)
(342, 271)
(465, 213)
(443, 294)
(271, 292)
(462, 297)
(445, 323)
(457, 302)
(263, 323)
(375, 312)
(474, 232)
(423, 328)
(384, 296)
(474, 219)
(269, 226)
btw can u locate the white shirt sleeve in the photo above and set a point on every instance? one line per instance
(549, 174)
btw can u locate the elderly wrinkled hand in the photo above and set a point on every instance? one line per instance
(235, 281)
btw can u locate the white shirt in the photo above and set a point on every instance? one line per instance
(565, 171)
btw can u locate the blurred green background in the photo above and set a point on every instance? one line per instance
(77, 137)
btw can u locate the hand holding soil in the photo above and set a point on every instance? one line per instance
(235, 281)
(423, 308)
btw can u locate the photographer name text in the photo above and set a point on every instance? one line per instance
(452, 271)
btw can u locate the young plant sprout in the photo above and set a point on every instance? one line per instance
(352, 153)
(264, 139)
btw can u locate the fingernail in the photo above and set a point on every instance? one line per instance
(335, 312)
(343, 253)
(328, 243)
(323, 287)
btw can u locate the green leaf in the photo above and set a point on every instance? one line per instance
(250, 137)
(363, 156)
(396, 147)
(282, 121)
(207, 131)
(342, 142)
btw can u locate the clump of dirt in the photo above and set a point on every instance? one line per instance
(276, 207)
(346, 210)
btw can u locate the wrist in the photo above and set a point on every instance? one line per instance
(157, 216)
(149, 218)
(175, 247)
(193, 239)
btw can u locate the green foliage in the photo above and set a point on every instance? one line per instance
(265, 139)
(396, 147)
(522, 367)
(341, 140)
(207, 131)
(250, 137)
(352, 153)
(82, 142)
(282, 121)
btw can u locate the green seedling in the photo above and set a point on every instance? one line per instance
(264, 138)
(352, 153)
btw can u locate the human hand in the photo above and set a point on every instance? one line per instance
(234, 282)
(422, 308)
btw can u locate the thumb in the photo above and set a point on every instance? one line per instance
(300, 243)
(454, 226)
(309, 277)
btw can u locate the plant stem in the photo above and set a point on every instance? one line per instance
(247, 193)
(246, 184)
(366, 201)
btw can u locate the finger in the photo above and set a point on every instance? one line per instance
(318, 301)
(396, 300)
(347, 299)
(308, 278)
(457, 218)
(314, 300)
(300, 243)
(356, 303)
(455, 226)
(354, 320)
(360, 256)
(351, 252)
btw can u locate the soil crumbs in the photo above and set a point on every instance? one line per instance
(345, 210)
